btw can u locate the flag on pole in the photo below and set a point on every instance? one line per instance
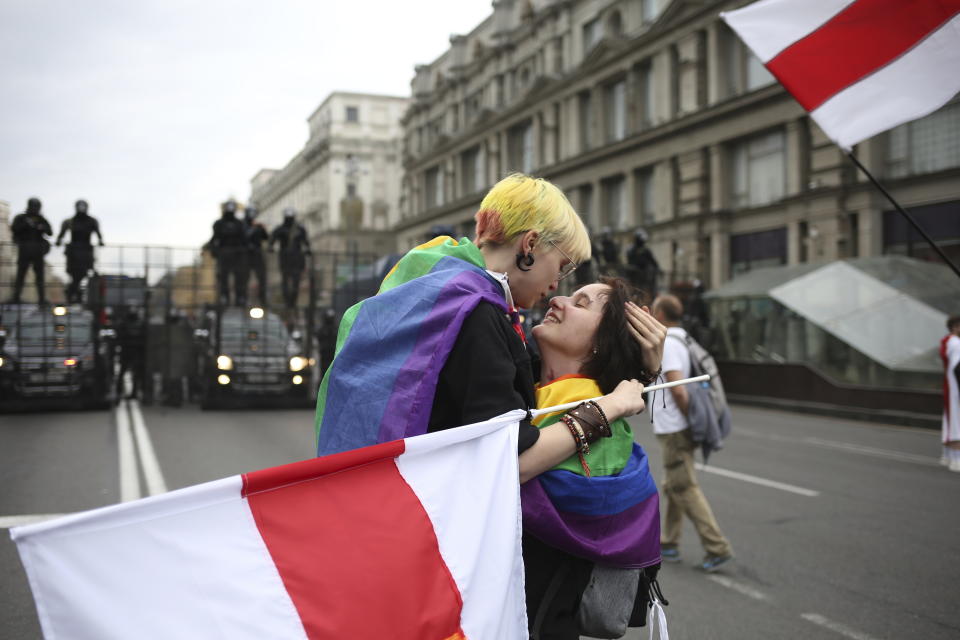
(859, 67)
(416, 538)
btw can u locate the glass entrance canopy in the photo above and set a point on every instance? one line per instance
(866, 321)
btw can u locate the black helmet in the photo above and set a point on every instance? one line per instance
(33, 205)
(289, 213)
(640, 236)
(229, 207)
(81, 206)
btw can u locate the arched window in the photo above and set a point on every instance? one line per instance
(614, 26)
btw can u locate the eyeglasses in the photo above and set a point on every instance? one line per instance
(568, 268)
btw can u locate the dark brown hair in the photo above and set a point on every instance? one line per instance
(952, 322)
(617, 355)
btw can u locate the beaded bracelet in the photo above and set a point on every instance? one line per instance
(580, 440)
(583, 447)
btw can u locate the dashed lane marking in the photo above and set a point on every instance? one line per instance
(836, 627)
(745, 477)
(739, 587)
(874, 452)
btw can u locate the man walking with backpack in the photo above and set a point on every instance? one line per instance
(671, 424)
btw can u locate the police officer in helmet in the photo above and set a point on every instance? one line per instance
(256, 236)
(229, 246)
(294, 247)
(79, 250)
(29, 229)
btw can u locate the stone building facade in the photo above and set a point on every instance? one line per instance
(652, 114)
(345, 182)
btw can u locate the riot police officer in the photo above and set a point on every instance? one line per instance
(643, 264)
(610, 250)
(29, 229)
(294, 247)
(229, 246)
(79, 250)
(256, 236)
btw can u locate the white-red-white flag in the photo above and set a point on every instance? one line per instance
(415, 539)
(858, 67)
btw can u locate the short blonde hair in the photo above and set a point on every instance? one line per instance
(520, 203)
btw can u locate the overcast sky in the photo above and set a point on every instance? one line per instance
(156, 111)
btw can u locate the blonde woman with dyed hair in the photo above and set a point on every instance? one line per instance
(447, 317)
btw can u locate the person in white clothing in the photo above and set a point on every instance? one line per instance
(680, 486)
(950, 353)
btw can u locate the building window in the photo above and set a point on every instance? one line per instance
(353, 114)
(925, 145)
(758, 170)
(433, 187)
(520, 147)
(615, 202)
(617, 111)
(645, 94)
(585, 119)
(649, 10)
(644, 198)
(591, 35)
(585, 202)
(760, 249)
(615, 24)
(471, 170)
(744, 70)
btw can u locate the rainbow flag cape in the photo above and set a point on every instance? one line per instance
(378, 390)
(611, 517)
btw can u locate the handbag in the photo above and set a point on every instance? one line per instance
(607, 603)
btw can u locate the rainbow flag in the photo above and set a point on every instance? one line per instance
(611, 517)
(379, 390)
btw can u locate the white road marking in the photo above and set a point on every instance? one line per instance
(8, 522)
(773, 484)
(148, 457)
(836, 627)
(873, 451)
(844, 446)
(739, 587)
(129, 476)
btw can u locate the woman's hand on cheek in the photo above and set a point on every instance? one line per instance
(649, 333)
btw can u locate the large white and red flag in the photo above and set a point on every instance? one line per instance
(416, 538)
(858, 66)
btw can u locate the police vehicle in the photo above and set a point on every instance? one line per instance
(53, 355)
(249, 356)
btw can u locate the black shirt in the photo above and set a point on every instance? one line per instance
(487, 373)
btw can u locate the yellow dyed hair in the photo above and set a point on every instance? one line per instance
(520, 203)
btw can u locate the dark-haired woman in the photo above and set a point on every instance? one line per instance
(599, 505)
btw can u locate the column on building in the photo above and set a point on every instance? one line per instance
(716, 69)
(797, 160)
(549, 137)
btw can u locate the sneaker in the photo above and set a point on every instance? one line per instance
(670, 554)
(954, 465)
(713, 563)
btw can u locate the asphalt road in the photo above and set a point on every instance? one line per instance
(841, 529)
